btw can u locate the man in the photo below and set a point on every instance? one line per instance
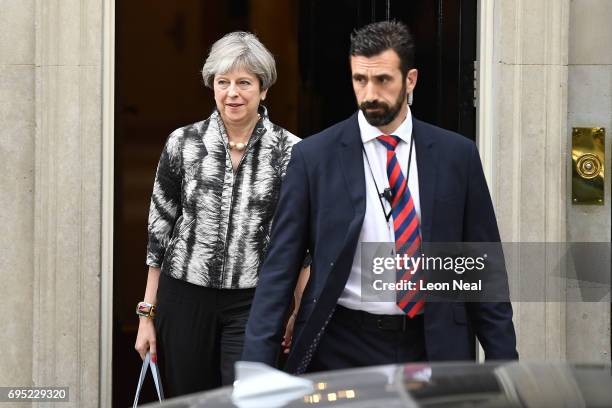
(346, 186)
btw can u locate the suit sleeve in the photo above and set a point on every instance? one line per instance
(281, 267)
(492, 321)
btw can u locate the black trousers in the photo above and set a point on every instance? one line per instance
(200, 333)
(359, 339)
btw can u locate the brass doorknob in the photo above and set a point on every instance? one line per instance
(588, 166)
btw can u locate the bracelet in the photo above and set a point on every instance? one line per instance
(144, 309)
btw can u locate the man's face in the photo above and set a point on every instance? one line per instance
(380, 90)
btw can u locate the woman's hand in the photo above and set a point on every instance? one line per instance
(299, 289)
(145, 340)
(286, 343)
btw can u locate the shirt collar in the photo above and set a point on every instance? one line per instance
(369, 132)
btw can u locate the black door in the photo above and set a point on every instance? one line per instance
(445, 37)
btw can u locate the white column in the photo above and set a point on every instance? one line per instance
(68, 194)
(108, 145)
(17, 119)
(590, 105)
(530, 189)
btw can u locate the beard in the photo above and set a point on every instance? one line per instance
(385, 113)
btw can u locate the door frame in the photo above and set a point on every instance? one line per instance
(484, 94)
(108, 181)
(485, 139)
(485, 90)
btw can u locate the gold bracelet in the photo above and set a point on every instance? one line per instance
(144, 309)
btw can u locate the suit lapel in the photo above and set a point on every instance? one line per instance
(351, 161)
(427, 164)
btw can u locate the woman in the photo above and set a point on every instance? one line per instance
(213, 201)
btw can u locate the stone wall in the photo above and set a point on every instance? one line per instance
(50, 108)
(590, 105)
(530, 149)
(17, 141)
(552, 70)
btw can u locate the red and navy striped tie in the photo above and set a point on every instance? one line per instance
(406, 226)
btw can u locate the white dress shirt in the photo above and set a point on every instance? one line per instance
(375, 227)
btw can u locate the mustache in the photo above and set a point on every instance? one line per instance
(373, 105)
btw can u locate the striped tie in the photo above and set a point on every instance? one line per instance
(406, 226)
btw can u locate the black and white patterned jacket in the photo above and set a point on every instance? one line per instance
(208, 225)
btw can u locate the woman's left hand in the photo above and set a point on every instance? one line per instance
(286, 343)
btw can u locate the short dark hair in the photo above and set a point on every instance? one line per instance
(376, 38)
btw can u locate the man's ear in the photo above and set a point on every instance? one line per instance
(411, 80)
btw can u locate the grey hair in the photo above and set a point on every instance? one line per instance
(240, 49)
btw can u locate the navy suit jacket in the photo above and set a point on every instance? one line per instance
(321, 209)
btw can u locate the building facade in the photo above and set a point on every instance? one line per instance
(544, 67)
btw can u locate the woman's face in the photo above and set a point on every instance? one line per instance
(237, 94)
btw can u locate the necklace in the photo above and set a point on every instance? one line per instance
(238, 146)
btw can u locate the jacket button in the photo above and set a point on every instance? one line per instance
(331, 264)
(314, 300)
